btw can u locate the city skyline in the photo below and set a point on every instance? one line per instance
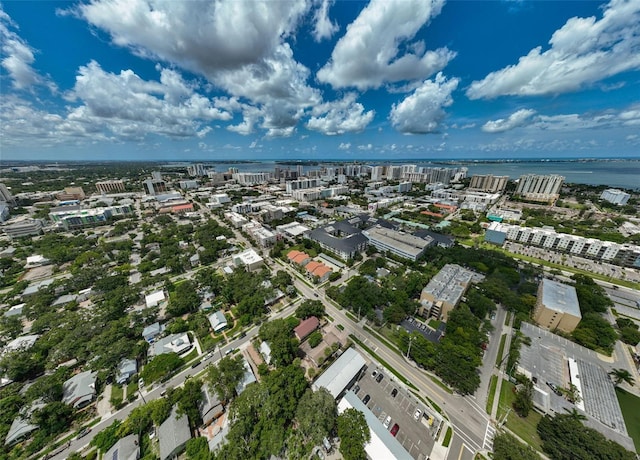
(379, 80)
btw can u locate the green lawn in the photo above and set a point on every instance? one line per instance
(493, 383)
(116, 395)
(447, 437)
(434, 323)
(630, 405)
(500, 350)
(523, 427)
(132, 388)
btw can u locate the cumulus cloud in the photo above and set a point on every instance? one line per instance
(365, 147)
(582, 52)
(422, 111)
(246, 56)
(514, 120)
(18, 57)
(324, 28)
(339, 117)
(369, 54)
(344, 146)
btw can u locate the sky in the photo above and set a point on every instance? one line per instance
(319, 79)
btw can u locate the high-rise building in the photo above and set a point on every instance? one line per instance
(615, 196)
(197, 170)
(5, 195)
(154, 186)
(108, 186)
(488, 183)
(377, 172)
(540, 188)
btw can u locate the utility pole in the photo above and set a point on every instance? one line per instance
(409, 349)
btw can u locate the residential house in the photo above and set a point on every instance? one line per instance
(126, 369)
(210, 406)
(126, 448)
(152, 331)
(173, 435)
(306, 327)
(218, 321)
(80, 390)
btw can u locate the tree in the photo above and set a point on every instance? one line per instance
(310, 308)
(283, 345)
(106, 438)
(622, 375)
(54, 418)
(160, 366)
(184, 299)
(198, 449)
(354, 434)
(225, 377)
(507, 447)
(316, 415)
(188, 398)
(524, 397)
(282, 279)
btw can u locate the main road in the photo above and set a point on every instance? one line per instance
(467, 418)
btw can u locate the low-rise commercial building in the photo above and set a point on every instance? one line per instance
(341, 374)
(615, 196)
(445, 290)
(22, 226)
(248, 259)
(398, 243)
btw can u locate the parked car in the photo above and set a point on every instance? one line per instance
(394, 392)
(379, 377)
(394, 430)
(374, 373)
(417, 414)
(366, 399)
(387, 422)
(356, 389)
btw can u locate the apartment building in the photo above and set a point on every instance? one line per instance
(545, 189)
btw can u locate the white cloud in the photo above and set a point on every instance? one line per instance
(365, 147)
(422, 111)
(324, 28)
(237, 45)
(369, 54)
(339, 117)
(582, 52)
(515, 120)
(344, 146)
(18, 57)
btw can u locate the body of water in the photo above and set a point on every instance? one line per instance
(612, 173)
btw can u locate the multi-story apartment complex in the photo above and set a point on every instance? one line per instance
(615, 196)
(197, 170)
(445, 290)
(251, 178)
(302, 184)
(626, 255)
(544, 189)
(488, 183)
(398, 243)
(377, 172)
(109, 186)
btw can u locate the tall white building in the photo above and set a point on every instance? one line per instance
(5, 195)
(377, 172)
(615, 196)
(251, 178)
(488, 183)
(540, 188)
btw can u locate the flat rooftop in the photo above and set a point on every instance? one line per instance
(560, 297)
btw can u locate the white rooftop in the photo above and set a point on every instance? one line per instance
(340, 373)
(560, 297)
(154, 298)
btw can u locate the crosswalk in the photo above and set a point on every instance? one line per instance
(489, 433)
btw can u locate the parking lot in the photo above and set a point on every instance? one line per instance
(386, 398)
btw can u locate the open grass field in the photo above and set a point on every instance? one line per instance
(523, 427)
(630, 405)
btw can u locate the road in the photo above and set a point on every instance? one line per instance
(156, 391)
(468, 419)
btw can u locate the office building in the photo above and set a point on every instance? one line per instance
(445, 290)
(488, 183)
(71, 193)
(110, 186)
(249, 259)
(5, 195)
(615, 196)
(154, 185)
(398, 243)
(557, 306)
(197, 170)
(22, 226)
(545, 189)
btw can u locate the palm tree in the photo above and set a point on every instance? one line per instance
(622, 375)
(575, 415)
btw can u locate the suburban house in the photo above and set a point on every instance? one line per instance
(210, 406)
(153, 299)
(126, 448)
(306, 327)
(218, 321)
(152, 331)
(80, 390)
(126, 369)
(22, 427)
(173, 435)
(174, 343)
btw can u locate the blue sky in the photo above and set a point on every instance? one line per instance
(314, 79)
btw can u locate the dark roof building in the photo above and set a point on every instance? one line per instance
(126, 448)
(306, 327)
(341, 238)
(173, 435)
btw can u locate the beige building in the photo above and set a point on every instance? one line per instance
(445, 290)
(557, 306)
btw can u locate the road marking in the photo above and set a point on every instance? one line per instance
(488, 437)
(462, 448)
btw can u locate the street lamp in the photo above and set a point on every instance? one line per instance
(409, 349)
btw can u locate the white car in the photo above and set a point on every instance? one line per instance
(387, 422)
(417, 415)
